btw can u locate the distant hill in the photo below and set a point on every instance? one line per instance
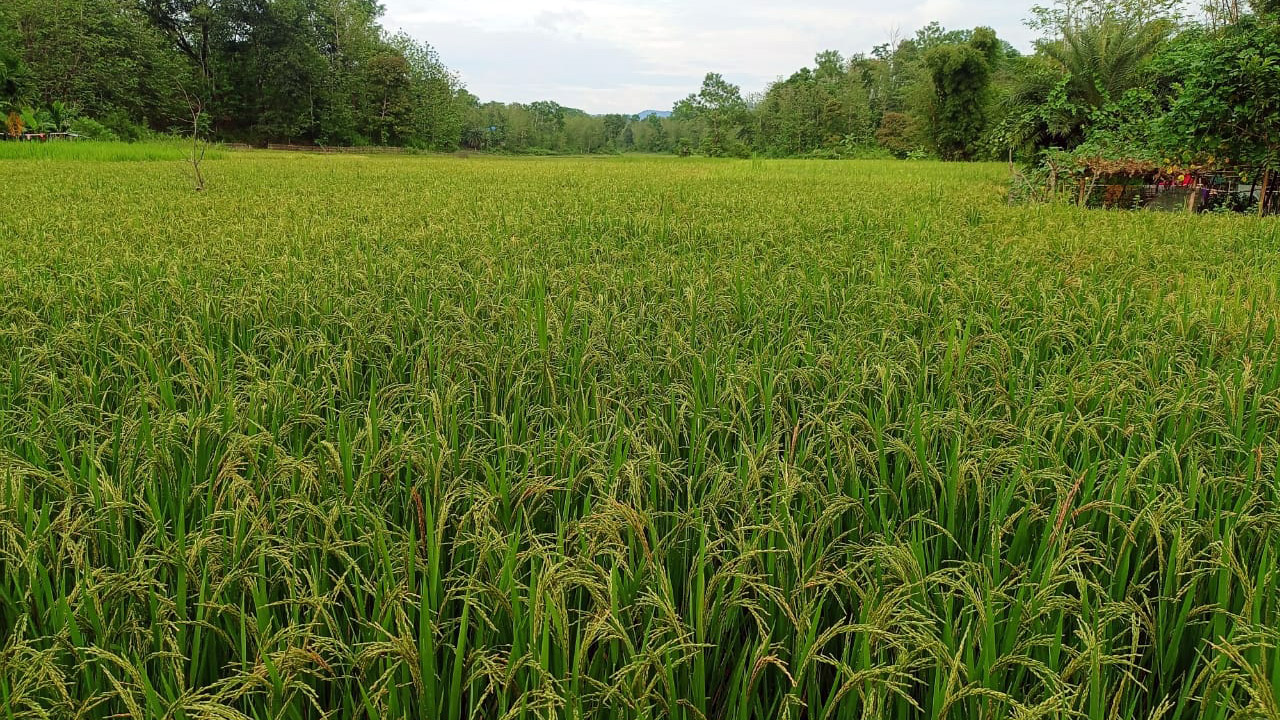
(660, 113)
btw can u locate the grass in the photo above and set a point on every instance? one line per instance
(637, 438)
(169, 150)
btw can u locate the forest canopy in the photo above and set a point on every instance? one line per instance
(1105, 76)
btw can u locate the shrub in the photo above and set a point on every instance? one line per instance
(14, 125)
(123, 127)
(898, 134)
(92, 130)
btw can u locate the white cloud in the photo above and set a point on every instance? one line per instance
(614, 56)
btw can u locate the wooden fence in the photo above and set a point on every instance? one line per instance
(368, 150)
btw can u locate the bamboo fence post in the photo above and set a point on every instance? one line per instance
(1266, 186)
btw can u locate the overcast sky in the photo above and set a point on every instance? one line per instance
(626, 56)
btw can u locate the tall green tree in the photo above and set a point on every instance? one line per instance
(270, 70)
(652, 136)
(827, 107)
(790, 116)
(614, 125)
(888, 73)
(720, 112)
(349, 39)
(548, 123)
(961, 75)
(99, 56)
(437, 96)
(12, 72)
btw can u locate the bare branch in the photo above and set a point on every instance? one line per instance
(198, 147)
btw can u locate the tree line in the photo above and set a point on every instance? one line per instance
(319, 71)
(1134, 78)
(1122, 74)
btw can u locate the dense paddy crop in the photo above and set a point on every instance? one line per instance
(479, 438)
(174, 150)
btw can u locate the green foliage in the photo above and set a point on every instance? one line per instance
(629, 439)
(613, 126)
(124, 126)
(1094, 52)
(651, 135)
(92, 130)
(1128, 129)
(548, 122)
(1104, 58)
(100, 56)
(12, 71)
(1066, 14)
(325, 72)
(720, 113)
(1209, 100)
(898, 133)
(269, 70)
(1228, 100)
(825, 109)
(852, 150)
(61, 115)
(1042, 112)
(961, 77)
(547, 128)
(36, 120)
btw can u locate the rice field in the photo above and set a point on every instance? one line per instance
(172, 149)
(405, 437)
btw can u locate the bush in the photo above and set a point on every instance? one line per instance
(93, 130)
(898, 133)
(123, 127)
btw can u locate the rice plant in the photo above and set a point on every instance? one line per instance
(353, 437)
(94, 151)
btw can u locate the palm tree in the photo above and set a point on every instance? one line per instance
(61, 115)
(1093, 62)
(36, 121)
(1103, 57)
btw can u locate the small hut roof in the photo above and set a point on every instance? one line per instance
(1119, 166)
